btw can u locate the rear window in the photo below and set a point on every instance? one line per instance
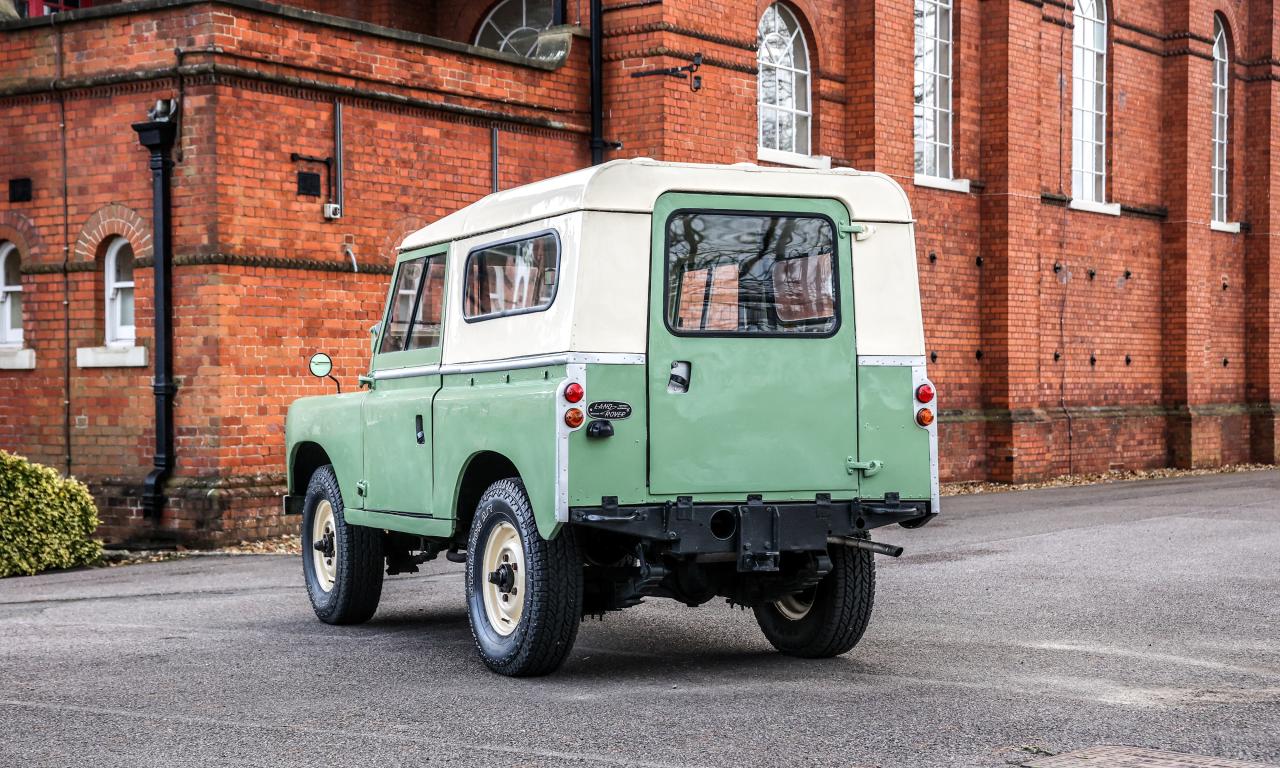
(750, 274)
(512, 277)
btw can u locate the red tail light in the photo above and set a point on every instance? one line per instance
(573, 393)
(924, 393)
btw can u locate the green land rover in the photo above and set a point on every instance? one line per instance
(638, 379)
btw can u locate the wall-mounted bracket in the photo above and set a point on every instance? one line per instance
(685, 72)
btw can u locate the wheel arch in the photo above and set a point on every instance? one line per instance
(308, 456)
(482, 469)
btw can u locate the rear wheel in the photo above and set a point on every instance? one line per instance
(524, 593)
(342, 563)
(828, 619)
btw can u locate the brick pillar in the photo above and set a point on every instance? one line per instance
(879, 70)
(1010, 204)
(1194, 436)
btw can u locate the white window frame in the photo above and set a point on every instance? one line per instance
(934, 47)
(9, 336)
(117, 335)
(1089, 103)
(1221, 122)
(791, 24)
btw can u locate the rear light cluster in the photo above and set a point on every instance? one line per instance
(574, 417)
(925, 395)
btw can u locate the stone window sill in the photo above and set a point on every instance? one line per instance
(821, 162)
(1232, 227)
(1106, 209)
(111, 357)
(17, 359)
(938, 182)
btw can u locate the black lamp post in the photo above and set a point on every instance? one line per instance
(158, 135)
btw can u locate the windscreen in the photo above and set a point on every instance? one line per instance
(750, 274)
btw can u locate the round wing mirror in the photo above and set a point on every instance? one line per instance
(321, 365)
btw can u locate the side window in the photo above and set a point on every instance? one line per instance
(10, 294)
(511, 278)
(413, 318)
(750, 274)
(118, 281)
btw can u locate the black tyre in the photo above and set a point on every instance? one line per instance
(342, 563)
(828, 619)
(524, 593)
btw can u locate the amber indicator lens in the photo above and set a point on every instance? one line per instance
(573, 393)
(924, 417)
(924, 393)
(573, 417)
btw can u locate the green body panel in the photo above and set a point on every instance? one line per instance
(887, 432)
(397, 469)
(613, 466)
(333, 422)
(761, 415)
(512, 414)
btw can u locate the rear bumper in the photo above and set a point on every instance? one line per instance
(756, 532)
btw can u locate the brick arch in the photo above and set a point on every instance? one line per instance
(396, 233)
(18, 229)
(109, 220)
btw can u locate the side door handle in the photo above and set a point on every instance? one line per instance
(420, 435)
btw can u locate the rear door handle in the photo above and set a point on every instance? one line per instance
(681, 373)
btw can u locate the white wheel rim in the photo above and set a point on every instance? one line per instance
(326, 564)
(502, 578)
(795, 607)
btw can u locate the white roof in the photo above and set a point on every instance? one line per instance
(634, 186)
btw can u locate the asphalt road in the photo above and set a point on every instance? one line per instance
(1143, 613)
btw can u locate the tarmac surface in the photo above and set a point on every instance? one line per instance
(1016, 625)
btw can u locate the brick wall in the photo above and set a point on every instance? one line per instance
(1061, 340)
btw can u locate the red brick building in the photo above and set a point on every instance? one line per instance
(1097, 188)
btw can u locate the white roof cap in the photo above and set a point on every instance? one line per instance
(634, 186)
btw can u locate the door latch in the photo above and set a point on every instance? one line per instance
(362, 488)
(867, 468)
(860, 232)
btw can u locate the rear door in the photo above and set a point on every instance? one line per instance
(751, 363)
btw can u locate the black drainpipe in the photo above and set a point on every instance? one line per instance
(597, 82)
(158, 136)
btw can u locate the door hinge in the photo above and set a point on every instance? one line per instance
(859, 231)
(362, 488)
(867, 468)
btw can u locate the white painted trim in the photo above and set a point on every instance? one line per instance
(111, 357)
(17, 359)
(938, 182)
(1107, 209)
(795, 159)
(921, 376)
(904, 361)
(514, 364)
(1232, 227)
(573, 372)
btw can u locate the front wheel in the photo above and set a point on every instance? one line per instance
(342, 563)
(828, 619)
(524, 593)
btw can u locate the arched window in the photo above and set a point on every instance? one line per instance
(512, 26)
(1089, 103)
(1221, 122)
(118, 281)
(10, 295)
(933, 88)
(783, 82)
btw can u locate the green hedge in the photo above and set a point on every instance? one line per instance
(45, 519)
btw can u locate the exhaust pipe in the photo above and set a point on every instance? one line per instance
(874, 547)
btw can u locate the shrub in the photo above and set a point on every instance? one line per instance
(45, 519)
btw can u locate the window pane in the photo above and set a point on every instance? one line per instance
(405, 292)
(802, 134)
(750, 274)
(12, 268)
(783, 81)
(426, 325)
(124, 301)
(124, 264)
(14, 300)
(512, 277)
